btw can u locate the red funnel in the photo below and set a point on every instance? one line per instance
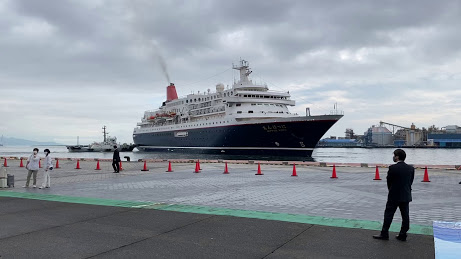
(171, 93)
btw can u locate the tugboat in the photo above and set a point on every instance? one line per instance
(105, 146)
(244, 119)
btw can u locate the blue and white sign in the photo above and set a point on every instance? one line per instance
(447, 239)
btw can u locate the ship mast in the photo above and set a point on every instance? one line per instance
(244, 69)
(105, 133)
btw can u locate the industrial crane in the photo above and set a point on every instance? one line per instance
(381, 123)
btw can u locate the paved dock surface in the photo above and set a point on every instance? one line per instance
(44, 229)
(215, 215)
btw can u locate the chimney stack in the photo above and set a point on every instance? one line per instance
(171, 93)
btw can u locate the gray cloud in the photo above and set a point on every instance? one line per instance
(97, 62)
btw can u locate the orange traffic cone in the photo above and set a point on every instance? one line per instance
(21, 164)
(426, 176)
(78, 165)
(5, 164)
(145, 166)
(121, 166)
(57, 163)
(169, 167)
(377, 174)
(225, 169)
(333, 175)
(259, 170)
(294, 170)
(97, 166)
(197, 169)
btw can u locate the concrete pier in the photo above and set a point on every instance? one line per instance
(351, 205)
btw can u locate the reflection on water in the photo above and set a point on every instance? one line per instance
(337, 155)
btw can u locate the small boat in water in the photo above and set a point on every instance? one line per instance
(105, 146)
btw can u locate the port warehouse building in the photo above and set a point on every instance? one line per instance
(450, 137)
(444, 140)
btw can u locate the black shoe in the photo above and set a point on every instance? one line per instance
(459, 182)
(401, 238)
(380, 237)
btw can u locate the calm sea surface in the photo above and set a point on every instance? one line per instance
(337, 155)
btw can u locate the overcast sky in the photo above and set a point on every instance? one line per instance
(67, 68)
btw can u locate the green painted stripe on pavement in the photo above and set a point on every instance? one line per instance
(73, 199)
(287, 217)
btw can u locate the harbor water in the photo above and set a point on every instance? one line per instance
(429, 156)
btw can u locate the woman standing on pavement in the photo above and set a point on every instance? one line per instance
(48, 167)
(32, 165)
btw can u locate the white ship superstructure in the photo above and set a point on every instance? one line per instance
(178, 123)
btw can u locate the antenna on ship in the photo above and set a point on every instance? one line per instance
(105, 133)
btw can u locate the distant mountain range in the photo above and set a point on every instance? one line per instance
(25, 142)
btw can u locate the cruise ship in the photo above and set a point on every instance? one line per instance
(246, 118)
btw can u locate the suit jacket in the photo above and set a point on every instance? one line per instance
(117, 155)
(399, 180)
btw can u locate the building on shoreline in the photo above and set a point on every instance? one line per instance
(400, 136)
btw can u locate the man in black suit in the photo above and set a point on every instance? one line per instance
(399, 180)
(116, 161)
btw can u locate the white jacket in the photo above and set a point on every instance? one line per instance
(48, 162)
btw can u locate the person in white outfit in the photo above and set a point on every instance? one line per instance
(48, 168)
(32, 165)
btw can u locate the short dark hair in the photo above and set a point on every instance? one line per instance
(46, 150)
(400, 153)
(115, 146)
(36, 149)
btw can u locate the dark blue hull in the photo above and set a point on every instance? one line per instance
(290, 138)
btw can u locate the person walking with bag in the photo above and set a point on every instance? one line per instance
(399, 180)
(116, 160)
(48, 167)
(32, 165)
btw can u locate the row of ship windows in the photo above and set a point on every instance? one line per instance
(213, 97)
(264, 112)
(198, 124)
(260, 104)
(263, 96)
